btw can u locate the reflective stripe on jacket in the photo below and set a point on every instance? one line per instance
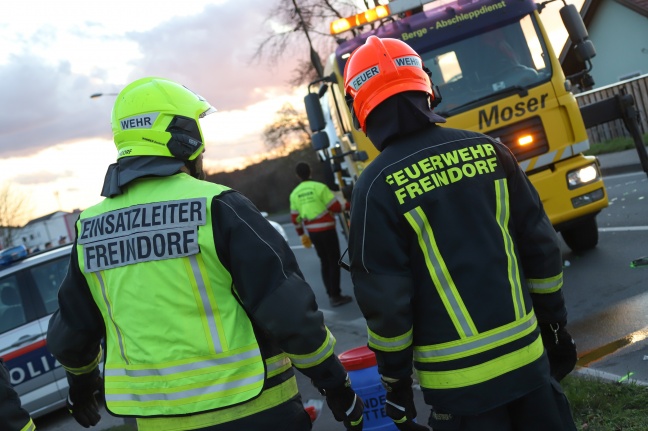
(454, 263)
(149, 259)
(281, 387)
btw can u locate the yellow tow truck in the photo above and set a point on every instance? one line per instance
(497, 74)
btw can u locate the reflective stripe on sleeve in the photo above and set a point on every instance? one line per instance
(88, 368)
(30, 426)
(545, 285)
(392, 344)
(318, 356)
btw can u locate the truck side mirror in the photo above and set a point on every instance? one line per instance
(584, 51)
(583, 47)
(360, 156)
(314, 112)
(320, 141)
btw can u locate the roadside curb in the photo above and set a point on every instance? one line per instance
(621, 162)
(616, 170)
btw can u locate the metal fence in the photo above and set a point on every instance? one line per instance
(638, 87)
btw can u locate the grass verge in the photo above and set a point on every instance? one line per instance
(613, 146)
(601, 405)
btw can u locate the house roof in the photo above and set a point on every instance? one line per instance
(639, 6)
(43, 218)
(567, 57)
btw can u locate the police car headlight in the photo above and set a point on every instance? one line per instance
(582, 176)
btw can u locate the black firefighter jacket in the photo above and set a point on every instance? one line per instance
(454, 263)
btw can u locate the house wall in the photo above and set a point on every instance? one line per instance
(620, 36)
(45, 233)
(70, 222)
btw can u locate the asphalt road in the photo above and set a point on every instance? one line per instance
(606, 299)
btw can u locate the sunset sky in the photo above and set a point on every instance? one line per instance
(56, 142)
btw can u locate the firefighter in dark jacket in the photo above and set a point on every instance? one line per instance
(189, 285)
(463, 281)
(12, 416)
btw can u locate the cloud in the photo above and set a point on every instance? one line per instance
(43, 105)
(43, 177)
(45, 101)
(213, 53)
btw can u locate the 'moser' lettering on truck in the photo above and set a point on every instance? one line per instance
(495, 116)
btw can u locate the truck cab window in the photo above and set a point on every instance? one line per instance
(482, 64)
(48, 277)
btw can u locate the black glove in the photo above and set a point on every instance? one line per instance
(561, 349)
(81, 401)
(400, 404)
(346, 406)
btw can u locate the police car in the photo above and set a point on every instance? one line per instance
(276, 225)
(28, 297)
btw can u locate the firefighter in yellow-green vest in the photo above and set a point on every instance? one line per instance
(202, 306)
(455, 264)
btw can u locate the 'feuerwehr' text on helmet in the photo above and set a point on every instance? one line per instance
(380, 69)
(157, 117)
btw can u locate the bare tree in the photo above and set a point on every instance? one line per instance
(289, 131)
(14, 211)
(300, 28)
(304, 72)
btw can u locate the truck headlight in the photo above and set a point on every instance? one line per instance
(582, 176)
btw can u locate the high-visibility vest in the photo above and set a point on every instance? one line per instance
(309, 205)
(178, 341)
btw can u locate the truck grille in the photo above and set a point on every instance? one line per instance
(510, 135)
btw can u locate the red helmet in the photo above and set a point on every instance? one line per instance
(380, 69)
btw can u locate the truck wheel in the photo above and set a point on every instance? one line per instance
(583, 236)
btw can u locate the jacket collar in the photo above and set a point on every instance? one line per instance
(128, 169)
